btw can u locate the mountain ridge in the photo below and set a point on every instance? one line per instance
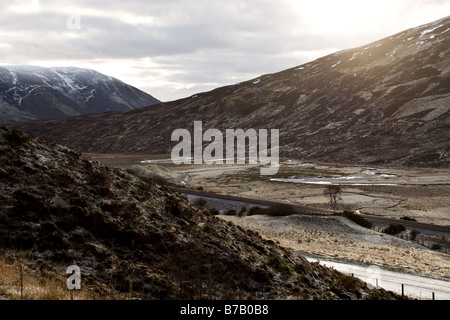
(32, 93)
(385, 103)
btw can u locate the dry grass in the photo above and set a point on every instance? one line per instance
(421, 194)
(20, 282)
(335, 238)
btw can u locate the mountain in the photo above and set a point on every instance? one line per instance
(30, 93)
(384, 103)
(129, 233)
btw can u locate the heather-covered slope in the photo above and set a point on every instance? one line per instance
(385, 103)
(129, 234)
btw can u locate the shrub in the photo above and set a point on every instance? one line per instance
(146, 176)
(16, 138)
(408, 218)
(209, 229)
(253, 210)
(158, 179)
(241, 212)
(357, 219)
(279, 264)
(214, 211)
(230, 212)
(436, 246)
(50, 235)
(178, 208)
(348, 282)
(30, 204)
(200, 202)
(278, 210)
(413, 234)
(394, 229)
(100, 177)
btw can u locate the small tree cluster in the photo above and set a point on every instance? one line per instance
(333, 192)
(394, 229)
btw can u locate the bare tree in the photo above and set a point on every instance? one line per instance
(334, 193)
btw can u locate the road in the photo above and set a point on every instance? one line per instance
(413, 286)
(255, 202)
(315, 211)
(407, 223)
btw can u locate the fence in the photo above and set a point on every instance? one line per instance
(437, 243)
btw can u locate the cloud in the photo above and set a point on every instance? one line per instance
(175, 47)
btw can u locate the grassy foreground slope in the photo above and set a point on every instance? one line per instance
(134, 238)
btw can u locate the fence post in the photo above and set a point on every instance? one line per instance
(403, 289)
(433, 295)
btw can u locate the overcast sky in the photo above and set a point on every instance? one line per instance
(175, 48)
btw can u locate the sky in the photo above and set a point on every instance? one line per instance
(173, 49)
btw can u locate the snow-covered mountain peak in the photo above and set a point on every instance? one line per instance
(33, 92)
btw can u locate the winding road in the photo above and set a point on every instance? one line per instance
(408, 284)
(314, 211)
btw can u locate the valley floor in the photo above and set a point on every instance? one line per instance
(336, 238)
(421, 194)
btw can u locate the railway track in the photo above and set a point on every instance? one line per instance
(314, 211)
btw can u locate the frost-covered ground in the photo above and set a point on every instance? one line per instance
(418, 193)
(413, 286)
(338, 239)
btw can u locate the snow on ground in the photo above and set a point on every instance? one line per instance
(429, 30)
(337, 63)
(413, 286)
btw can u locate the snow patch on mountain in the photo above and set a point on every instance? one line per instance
(430, 30)
(47, 93)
